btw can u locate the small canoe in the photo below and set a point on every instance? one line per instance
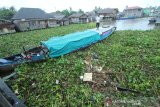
(56, 46)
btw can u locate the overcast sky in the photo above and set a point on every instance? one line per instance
(85, 5)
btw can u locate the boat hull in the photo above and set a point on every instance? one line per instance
(8, 64)
(126, 18)
(152, 20)
(41, 53)
(58, 46)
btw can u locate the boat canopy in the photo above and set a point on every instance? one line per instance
(58, 46)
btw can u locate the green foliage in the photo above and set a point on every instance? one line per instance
(69, 11)
(80, 11)
(7, 13)
(135, 54)
(97, 9)
(66, 12)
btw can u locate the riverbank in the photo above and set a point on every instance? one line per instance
(129, 59)
(132, 24)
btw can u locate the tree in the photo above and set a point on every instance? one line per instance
(58, 11)
(65, 12)
(80, 11)
(71, 11)
(96, 9)
(7, 14)
(12, 9)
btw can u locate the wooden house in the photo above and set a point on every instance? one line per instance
(29, 19)
(108, 13)
(78, 18)
(135, 11)
(91, 16)
(157, 24)
(6, 27)
(149, 11)
(61, 19)
(52, 21)
(157, 11)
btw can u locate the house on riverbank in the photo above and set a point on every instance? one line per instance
(34, 18)
(157, 11)
(108, 13)
(78, 18)
(91, 16)
(149, 11)
(61, 19)
(6, 27)
(135, 11)
(29, 19)
(157, 24)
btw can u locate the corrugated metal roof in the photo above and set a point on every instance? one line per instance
(76, 15)
(30, 13)
(79, 15)
(57, 16)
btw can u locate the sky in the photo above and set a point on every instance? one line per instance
(85, 5)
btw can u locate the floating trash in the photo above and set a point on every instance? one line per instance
(95, 56)
(33, 85)
(98, 68)
(57, 81)
(16, 91)
(87, 77)
(81, 77)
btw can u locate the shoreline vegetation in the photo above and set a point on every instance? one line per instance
(128, 59)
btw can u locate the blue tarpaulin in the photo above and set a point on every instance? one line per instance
(62, 45)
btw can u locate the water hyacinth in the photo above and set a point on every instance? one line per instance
(131, 58)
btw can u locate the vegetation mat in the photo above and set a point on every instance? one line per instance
(125, 70)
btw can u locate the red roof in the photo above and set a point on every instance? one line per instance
(134, 7)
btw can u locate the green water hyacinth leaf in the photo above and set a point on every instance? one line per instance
(133, 58)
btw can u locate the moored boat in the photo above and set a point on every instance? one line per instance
(126, 18)
(152, 20)
(55, 47)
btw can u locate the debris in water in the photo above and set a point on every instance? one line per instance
(81, 77)
(16, 91)
(87, 77)
(95, 56)
(57, 81)
(98, 69)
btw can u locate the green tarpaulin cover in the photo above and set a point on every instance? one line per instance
(65, 44)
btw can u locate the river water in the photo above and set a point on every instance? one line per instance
(131, 24)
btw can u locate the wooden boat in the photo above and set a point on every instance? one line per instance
(152, 20)
(33, 55)
(7, 97)
(56, 47)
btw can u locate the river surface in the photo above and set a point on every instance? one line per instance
(131, 24)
